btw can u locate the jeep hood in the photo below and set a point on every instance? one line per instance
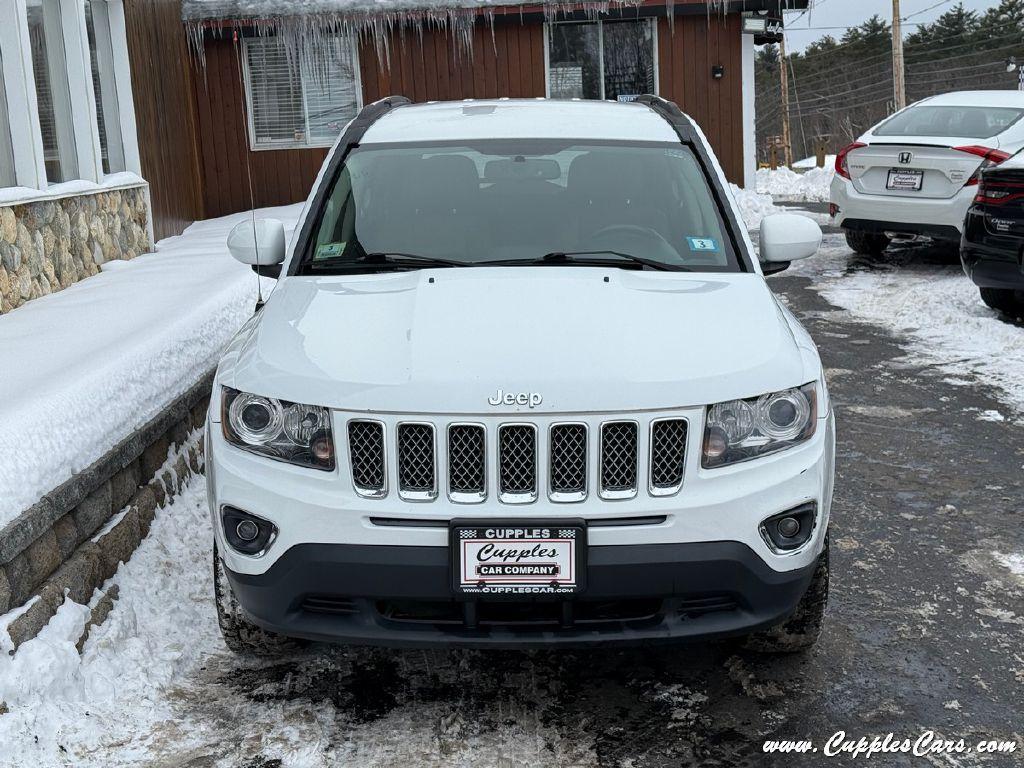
(584, 339)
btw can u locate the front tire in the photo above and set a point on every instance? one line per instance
(240, 635)
(866, 243)
(1008, 302)
(801, 630)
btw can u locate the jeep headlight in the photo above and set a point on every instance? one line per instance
(292, 432)
(738, 430)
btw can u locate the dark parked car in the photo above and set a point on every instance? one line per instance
(992, 250)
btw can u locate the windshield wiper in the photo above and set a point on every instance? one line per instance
(384, 259)
(571, 257)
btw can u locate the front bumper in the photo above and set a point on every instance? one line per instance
(941, 219)
(401, 597)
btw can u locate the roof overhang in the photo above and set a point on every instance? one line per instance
(218, 13)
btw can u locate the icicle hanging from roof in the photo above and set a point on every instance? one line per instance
(303, 25)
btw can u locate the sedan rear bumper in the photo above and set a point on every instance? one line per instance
(938, 218)
(401, 597)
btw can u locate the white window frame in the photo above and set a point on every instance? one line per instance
(23, 106)
(652, 20)
(291, 143)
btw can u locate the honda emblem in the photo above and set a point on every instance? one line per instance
(906, 157)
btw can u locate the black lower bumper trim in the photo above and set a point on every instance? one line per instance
(993, 269)
(401, 597)
(934, 231)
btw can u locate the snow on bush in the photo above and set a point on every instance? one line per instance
(812, 186)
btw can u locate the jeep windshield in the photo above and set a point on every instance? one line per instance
(519, 203)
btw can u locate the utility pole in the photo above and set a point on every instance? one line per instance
(787, 147)
(899, 80)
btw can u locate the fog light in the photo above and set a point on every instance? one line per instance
(246, 533)
(789, 530)
(247, 530)
(789, 527)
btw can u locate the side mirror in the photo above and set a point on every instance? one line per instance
(259, 244)
(786, 237)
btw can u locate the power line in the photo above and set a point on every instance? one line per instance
(929, 8)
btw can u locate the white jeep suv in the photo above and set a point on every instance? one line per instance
(521, 383)
(916, 173)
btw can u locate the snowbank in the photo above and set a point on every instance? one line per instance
(753, 205)
(783, 183)
(162, 625)
(84, 367)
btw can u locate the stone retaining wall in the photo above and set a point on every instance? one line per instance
(74, 538)
(48, 245)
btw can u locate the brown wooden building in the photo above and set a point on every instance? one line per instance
(236, 110)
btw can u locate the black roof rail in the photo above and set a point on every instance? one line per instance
(672, 114)
(354, 133)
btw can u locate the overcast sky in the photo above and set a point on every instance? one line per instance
(850, 13)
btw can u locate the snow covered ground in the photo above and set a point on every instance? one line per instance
(925, 299)
(84, 367)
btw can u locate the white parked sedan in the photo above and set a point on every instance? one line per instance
(916, 173)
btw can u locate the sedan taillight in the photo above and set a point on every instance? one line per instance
(990, 158)
(842, 168)
(998, 192)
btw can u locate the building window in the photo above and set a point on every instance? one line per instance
(101, 56)
(601, 59)
(300, 101)
(7, 174)
(49, 66)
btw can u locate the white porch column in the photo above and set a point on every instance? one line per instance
(749, 115)
(80, 89)
(123, 83)
(20, 86)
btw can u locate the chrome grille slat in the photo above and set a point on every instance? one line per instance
(367, 457)
(618, 459)
(517, 463)
(668, 456)
(417, 478)
(467, 463)
(567, 462)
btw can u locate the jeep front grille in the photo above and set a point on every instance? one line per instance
(668, 456)
(467, 463)
(618, 459)
(568, 462)
(366, 452)
(416, 477)
(517, 463)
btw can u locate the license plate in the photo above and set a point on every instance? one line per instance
(518, 559)
(905, 181)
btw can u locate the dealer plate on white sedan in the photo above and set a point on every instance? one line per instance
(902, 180)
(520, 559)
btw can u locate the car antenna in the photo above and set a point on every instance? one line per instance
(248, 173)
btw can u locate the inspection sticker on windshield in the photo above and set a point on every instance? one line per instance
(702, 244)
(518, 560)
(327, 250)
